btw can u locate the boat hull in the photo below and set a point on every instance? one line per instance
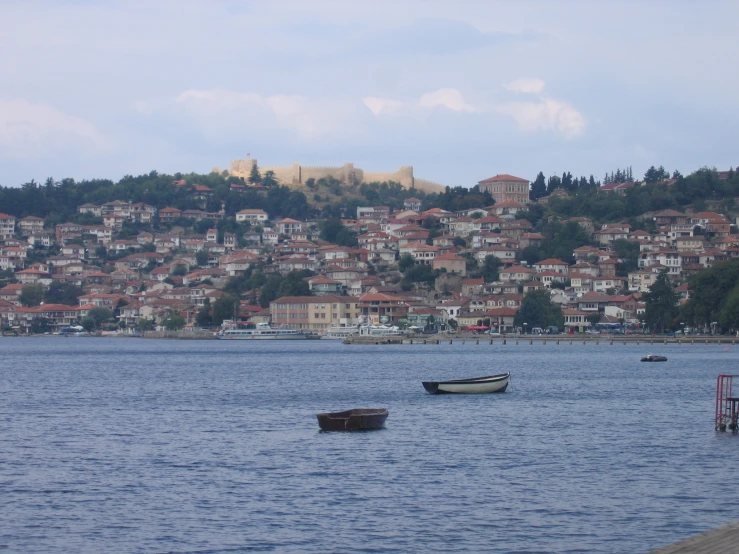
(478, 385)
(362, 419)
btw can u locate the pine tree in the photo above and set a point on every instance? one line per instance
(538, 187)
(255, 177)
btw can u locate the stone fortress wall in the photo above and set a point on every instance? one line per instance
(296, 174)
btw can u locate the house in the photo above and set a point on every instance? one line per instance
(289, 226)
(473, 287)
(7, 226)
(507, 208)
(315, 313)
(168, 214)
(605, 283)
(504, 254)
(516, 273)
(422, 253)
(552, 264)
(451, 263)
(576, 321)
(617, 188)
(412, 204)
(253, 216)
(382, 308)
(506, 187)
(320, 285)
(593, 302)
(30, 225)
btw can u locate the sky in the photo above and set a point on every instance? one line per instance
(460, 90)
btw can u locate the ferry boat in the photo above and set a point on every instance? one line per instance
(261, 331)
(340, 333)
(381, 331)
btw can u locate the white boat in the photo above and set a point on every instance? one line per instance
(381, 331)
(262, 331)
(340, 333)
(476, 385)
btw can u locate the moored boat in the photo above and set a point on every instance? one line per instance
(261, 331)
(653, 358)
(358, 419)
(475, 385)
(340, 333)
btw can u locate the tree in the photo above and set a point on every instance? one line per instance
(255, 177)
(594, 318)
(333, 231)
(88, 324)
(710, 293)
(204, 319)
(63, 293)
(661, 303)
(201, 258)
(538, 187)
(173, 321)
(145, 324)
(39, 326)
(224, 308)
(269, 179)
(490, 269)
(101, 252)
(99, 316)
(537, 310)
(406, 261)
(31, 295)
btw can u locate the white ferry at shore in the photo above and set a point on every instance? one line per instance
(261, 331)
(340, 333)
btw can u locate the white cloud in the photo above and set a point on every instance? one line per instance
(547, 113)
(309, 118)
(525, 85)
(383, 105)
(447, 98)
(29, 130)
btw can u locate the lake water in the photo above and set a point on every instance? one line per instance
(130, 445)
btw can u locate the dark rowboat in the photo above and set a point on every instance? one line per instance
(475, 385)
(653, 358)
(353, 420)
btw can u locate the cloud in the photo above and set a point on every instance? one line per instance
(547, 113)
(448, 98)
(32, 130)
(530, 86)
(544, 113)
(309, 118)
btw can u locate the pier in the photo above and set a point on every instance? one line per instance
(535, 339)
(722, 540)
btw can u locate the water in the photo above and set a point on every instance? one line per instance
(127, 445)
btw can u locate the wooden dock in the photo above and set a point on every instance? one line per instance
(722, 540)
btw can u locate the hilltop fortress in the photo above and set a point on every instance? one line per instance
(296, 174)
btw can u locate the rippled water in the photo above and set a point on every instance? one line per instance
(127, 445)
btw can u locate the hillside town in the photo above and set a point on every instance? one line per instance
(426, 269)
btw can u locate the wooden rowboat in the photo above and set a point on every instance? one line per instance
(359, 419)
(475, 385)
(653, 358)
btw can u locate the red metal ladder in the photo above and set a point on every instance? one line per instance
(727, 405)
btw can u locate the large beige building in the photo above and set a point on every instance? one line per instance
(506, 187)
(314, 313)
